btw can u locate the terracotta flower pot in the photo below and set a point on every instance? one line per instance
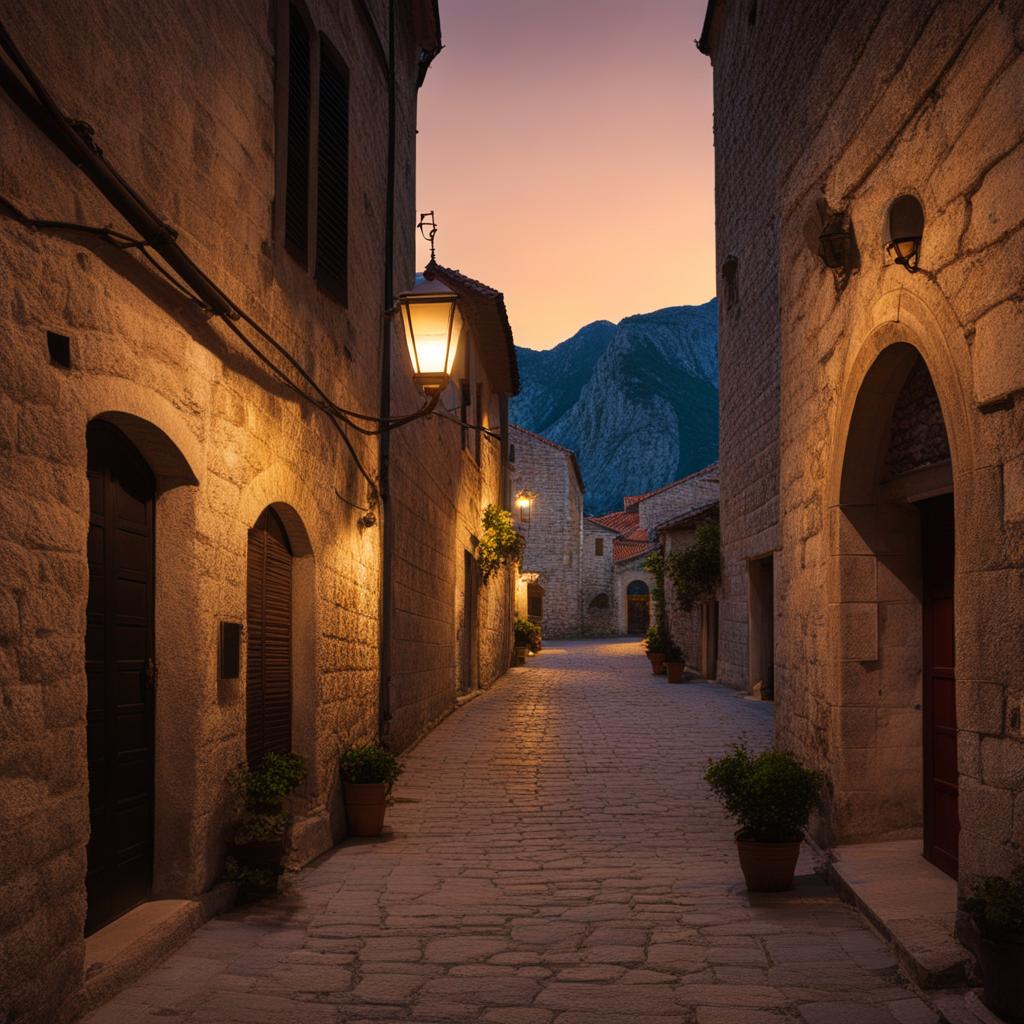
(365, 803)
(674, 671)
(768, 867)
(521, 653)
(1001, 962)
(657, 661)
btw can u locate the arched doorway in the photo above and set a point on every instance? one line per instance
(893, 578)
(638, 608)
(268, 693)
(120, 674)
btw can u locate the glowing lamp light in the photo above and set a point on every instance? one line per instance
(432, 323)
(524, 502)
(906, 228)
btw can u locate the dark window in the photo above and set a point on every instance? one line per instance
(511, 453)
(464, 412)
(332, 177)
(59, 348)
(599, 545)
(296, 198)
(599, 603)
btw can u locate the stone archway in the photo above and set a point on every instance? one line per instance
(892, 582)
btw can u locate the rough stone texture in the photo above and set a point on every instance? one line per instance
(598, 596)
(877, 100)
(182, 99)
(554, 534)
(554, 857)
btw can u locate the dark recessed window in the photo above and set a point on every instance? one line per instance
(296, 192)
(464, 411)
(600, 602)
(59, 347)
(731, 282)
(599, 545)
(332, 176)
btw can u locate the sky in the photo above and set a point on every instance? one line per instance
(566, 149)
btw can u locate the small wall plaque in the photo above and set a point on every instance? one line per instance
(230, 649)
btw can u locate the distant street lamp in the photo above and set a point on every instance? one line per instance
(524, 502)
(905, 229)
(432, 323)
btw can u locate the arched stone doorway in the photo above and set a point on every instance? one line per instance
(892, 582)
(638, 608)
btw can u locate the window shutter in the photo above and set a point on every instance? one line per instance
(269, 640)
(332, 178)
(296, 200)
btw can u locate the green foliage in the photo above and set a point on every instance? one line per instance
(367, 762)
(527, 634)
(997, 905)
(253, 883)
(673, 652)
(264, 788)
(771, 794)
(500, 544)
(654, 641)
(697, 571)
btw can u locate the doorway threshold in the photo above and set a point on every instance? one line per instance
(911, 903)
(129, 946)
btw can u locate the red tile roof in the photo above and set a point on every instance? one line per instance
(623, 550)
(622, 523)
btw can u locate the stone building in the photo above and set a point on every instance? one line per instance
(194, 525)
(872, 421)
(548, 589)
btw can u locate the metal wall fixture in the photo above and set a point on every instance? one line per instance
(524, 502)
(904, 230)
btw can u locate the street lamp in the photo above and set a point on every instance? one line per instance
(524, 502)
(432, 323)
(905, 228)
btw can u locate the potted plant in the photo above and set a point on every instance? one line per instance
(655, 644)
(996, 909)
(367, 774)
(257, 847)
(771, 796)
(527, 638)
(675, 661)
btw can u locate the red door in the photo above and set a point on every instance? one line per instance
(941, 817)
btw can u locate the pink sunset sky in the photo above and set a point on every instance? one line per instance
(566, 148)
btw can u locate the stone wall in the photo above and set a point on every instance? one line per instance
(878, 100)
(554, 532)
(679, 497)
(194, 132)
(597, 590)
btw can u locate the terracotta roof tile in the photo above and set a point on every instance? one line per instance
(623, 550)
(622, 523)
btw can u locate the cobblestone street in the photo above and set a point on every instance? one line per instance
(554, 858)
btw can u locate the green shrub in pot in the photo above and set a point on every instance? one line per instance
(771, 795)
(995, 905)
(368, 773)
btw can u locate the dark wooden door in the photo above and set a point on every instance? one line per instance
(638, 609)
(120, 674)
(268, 691)
(941, 780)
(469, 626)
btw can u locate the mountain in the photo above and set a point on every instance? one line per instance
(637, 401)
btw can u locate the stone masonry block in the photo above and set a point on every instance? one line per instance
(853, 578)
(857, 625)
(1013, 490)
(997, 355)
(998, 205)
(1002, 762)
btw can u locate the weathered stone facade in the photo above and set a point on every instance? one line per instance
(90, 333)
(554, 531)
(822, 386)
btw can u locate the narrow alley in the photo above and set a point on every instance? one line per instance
(553, 857)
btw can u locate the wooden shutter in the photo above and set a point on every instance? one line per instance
(332, 177)
(269, 640)
(296, 200)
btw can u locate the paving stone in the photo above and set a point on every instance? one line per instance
(559, 861)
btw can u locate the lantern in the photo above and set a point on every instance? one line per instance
(432, 323)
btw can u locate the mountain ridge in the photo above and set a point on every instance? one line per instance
(637, 401)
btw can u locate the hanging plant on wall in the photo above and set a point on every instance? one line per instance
(500, 543)
(697, 571)
(654, 563)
